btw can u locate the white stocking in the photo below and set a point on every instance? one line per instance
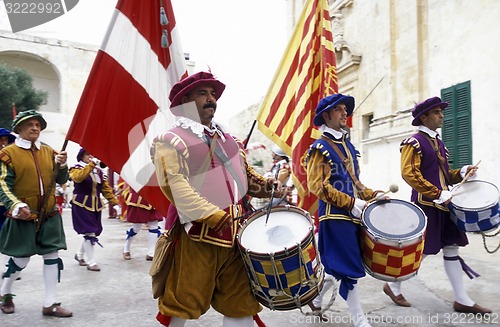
(152, 237)
(50, 276)
(81, 250)
(237, 322)
(354, 304)
(128, 242)
(327, 283)
(177, 322)
(89, 250)
(455, 273)
(9, 281)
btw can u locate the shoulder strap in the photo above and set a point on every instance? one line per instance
(347, 163)
(441, 160)
(225, 161)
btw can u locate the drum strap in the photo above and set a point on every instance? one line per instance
(347, 163)
(441, 160)
(226, 162)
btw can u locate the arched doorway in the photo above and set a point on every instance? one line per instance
(45, 75)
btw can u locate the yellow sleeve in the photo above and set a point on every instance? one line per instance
(172, 173)
(455, 176)
(318, 176)
(108, 193)
(78, 175)
(410, 171)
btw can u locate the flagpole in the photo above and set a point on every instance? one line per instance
(46, 196)
(249, 134)
(369, 93)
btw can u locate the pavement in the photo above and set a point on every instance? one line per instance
(120, 294)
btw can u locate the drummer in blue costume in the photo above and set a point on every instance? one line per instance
(424, 166)
(332, 175)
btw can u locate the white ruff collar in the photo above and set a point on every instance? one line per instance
(199, 129)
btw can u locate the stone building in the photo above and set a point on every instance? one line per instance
(59, 67)
(392, 54)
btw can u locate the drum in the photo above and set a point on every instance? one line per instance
(281, 257)
(392, 239)
(474, 206)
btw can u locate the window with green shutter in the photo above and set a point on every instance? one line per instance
(457, 130)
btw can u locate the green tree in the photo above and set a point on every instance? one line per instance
(16, 87)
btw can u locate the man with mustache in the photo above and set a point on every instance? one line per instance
(332, 175)
(202, 170)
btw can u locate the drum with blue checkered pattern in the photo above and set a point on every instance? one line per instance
(474, 206)
(281, 257)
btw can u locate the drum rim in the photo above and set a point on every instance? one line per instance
(376, 233)
(457, 207)
(285, 251)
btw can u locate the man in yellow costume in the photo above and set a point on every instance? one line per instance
(203, 172)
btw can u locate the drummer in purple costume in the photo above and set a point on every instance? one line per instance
(203, 172)
(86, 205)
(340, 201)
(139, 212)
(424, 166)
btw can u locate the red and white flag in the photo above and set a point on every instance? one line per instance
(125, 101)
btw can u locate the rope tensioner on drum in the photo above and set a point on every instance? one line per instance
(288, 275)
(484, 236)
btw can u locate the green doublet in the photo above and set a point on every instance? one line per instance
(21, 171)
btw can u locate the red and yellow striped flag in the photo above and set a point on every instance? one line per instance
(306, 74)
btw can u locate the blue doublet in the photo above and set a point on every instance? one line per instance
(338, 233)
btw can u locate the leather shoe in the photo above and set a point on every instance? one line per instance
(7, 305)
(149, 258)
(93, 268)
(81, 262)
(398, 300)
(476, 308)
(55, 310)
(126, 256)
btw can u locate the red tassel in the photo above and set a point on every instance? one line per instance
(258, 321)
(164, 320)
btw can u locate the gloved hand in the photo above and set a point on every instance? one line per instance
(465, 170)
(358, 207)
(444, 197)
(95, 161)
(118, 209)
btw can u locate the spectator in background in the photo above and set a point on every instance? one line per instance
(281, 170)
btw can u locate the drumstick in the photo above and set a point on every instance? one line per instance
(469, 173)
(393, 188)
(272, 193)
